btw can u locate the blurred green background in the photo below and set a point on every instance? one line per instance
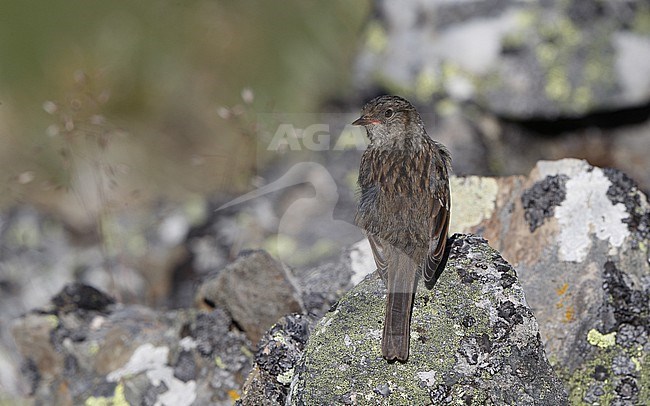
(134, 100)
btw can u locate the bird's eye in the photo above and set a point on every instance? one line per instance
(388, 113)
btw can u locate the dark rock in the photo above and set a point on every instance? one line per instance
(275, 361)
(77, 296)
(130, 354)
(624, 190)
(185, 367)
(498, 359)
(540, 200)
(255, 289)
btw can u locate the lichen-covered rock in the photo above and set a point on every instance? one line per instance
(474, 340)
(517, 59)
(279, 351)
(134, 255)
(83, 349)
(579, 237)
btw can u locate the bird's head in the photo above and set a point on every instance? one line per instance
(390, 118)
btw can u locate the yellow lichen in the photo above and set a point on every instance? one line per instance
(219, 362)
(595, 337)
(376, 38)
(53, 320)
(473, 201)
(118, 398)
(426, 84)
(582, 98)
(557, 85)
(525, 18)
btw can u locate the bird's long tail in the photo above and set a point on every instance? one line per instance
(400, 282)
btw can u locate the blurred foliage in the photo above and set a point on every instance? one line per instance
(130, 95)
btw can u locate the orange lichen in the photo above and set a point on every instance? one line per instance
(569, 314)
(234, 395)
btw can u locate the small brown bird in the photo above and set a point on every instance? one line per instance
(403, 209)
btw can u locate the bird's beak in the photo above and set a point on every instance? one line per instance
(365, 120)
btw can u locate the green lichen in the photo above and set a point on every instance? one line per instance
(195, 208)
(246, 351)
(119, 398)
(279, 337)
(376, 38)
(569, 81)
(525, 18)
(641, 23)
(365, 339)
(570, 35)
(643, 367)
(52, 320)
(281, 246)
(579, 380)
(93, 348)
(346, 342)
(446, 107)
(547, 54)
(481, 192)
(595, 337)
(219, 362)
(558, 87)
(427, 83)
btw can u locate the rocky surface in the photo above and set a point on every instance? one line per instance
(83, 349)
(474, 341)
(279, 351)
(255, 289)
(519, 60)
(134, 256)
(506, 83)
(579, 238)
(156, 259)
(577, 235)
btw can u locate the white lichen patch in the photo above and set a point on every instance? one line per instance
(144, 358)
(179, 393)
(586, 210)
(428, 377)
(153, 360)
